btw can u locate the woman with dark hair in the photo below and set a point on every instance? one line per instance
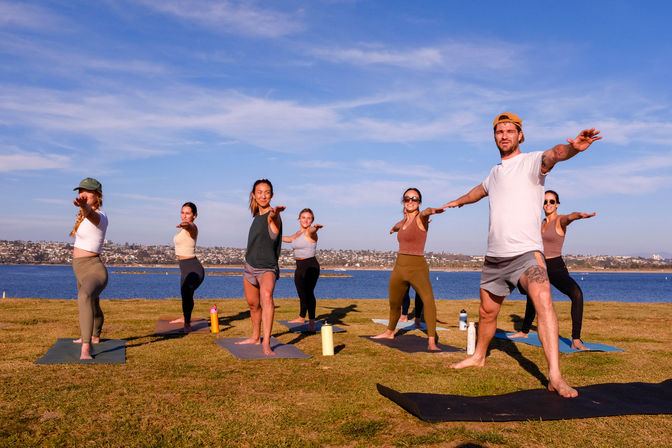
(191, 270)
(553, 230)
(261, 262)
(304, 243)
(411, 268)
(89, 232)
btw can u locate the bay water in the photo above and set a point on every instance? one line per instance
(58, 282)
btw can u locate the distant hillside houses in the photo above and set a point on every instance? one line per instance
(45, 252)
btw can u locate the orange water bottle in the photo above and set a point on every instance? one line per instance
(214, 319)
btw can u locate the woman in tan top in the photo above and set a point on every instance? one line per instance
(191, 270)
(553, 235)
(411, 267)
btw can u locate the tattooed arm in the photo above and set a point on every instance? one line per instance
(559, 153)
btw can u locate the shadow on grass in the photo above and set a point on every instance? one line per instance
(518, 323)
(510, 348)
(335, 317)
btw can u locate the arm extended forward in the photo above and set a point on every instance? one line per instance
(476, 194)
(560, 153)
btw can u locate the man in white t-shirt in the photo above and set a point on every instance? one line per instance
(515, 188)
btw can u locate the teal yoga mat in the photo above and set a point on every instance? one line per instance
(564, 345)
(410, 325)
(64, 351)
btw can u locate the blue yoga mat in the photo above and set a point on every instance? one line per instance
(564, 344)
(409, 325)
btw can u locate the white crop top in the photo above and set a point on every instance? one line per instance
(89, 237)
(185, 245)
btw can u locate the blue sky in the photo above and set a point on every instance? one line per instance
(342, 104)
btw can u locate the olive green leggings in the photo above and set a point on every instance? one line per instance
(91, 280)
(411, 270)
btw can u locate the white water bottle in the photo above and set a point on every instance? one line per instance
(463, 320)
(471, 339)
(327, 332)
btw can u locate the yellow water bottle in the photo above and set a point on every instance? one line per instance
(214, 319)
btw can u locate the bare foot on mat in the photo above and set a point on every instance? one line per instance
(387, 334)
(298, 320)
(179, 320)
(520, 334)
(249, 341)
(86, 351)
(562, 388)
(471, 361)
(578, 345)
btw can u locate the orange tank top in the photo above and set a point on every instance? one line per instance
(552, 241)
(412, 239)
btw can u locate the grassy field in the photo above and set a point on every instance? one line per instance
(186, 391)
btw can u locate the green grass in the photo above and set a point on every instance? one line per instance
(186, 391)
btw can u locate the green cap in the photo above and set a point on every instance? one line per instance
(89, 184)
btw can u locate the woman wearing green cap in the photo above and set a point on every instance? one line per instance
(89, 232)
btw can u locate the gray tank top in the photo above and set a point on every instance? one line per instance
(263, 250)
(303, 248)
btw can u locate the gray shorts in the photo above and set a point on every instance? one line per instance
(500, 275)
(252, 274)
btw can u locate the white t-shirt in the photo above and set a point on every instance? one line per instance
(90, 237)
(515, 190)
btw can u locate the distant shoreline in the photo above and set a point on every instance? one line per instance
(359, 268)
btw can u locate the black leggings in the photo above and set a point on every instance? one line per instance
(559, 277)
(406, 304)
(192, 277)
(305, 278)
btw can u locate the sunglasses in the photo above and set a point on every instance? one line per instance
(410, 199)
(551, 201)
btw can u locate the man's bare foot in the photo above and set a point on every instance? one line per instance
(520, 334)
(403, 318)
(250, 341)
(179, 320)
(562, 388)
(298, 320)
(578, 345)
(311, 325)
(471, 361)
(418, 323)
(94, 340)
(387, 334)
(86, 351)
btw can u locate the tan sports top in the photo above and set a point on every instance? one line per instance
(552, 241)
(185, 245)
(412, 239)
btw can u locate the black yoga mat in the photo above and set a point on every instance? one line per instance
(64, 351)
(597, 400)
(255, 351)
(303, 328)
(164, 327)
(411, 343)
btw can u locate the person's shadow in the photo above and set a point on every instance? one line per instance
(334, 317)
(510, 348)
(518, 323)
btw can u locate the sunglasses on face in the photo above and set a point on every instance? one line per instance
(410, 199)
(549, 201)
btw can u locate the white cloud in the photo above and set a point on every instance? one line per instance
(18, 160)
(230, 17)
(14, 14)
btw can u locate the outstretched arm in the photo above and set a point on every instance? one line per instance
(566, 220)
(87, 211)
(429, 211)
(559, 153)
(476, 194)
(189, 227)
(312, 231)
(274, 218)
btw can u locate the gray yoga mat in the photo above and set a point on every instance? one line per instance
(564, 344)
(64, 351)
(303, 328)
(164, 327)
(412, 343)
(597, 400)
(255, 351)
(408, 325)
